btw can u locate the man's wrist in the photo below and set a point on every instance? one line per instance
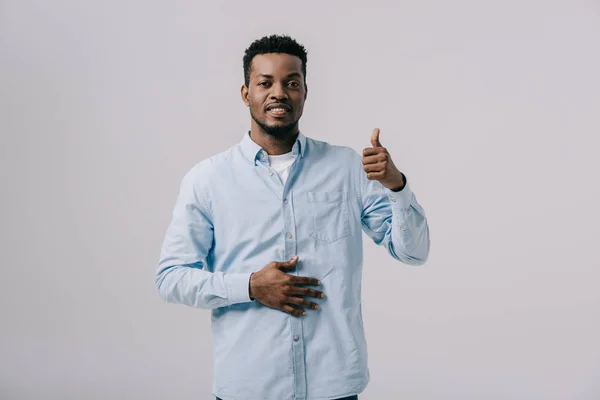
(250, 287)
(399, 188)
(236, 284)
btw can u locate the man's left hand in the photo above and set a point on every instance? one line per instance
(379, 166)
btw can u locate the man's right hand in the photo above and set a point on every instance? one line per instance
(274, 288)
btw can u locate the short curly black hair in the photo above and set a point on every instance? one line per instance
(273, 44)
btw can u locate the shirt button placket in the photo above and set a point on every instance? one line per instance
(295, 322)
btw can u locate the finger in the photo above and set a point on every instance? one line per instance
(375, 175)
(294, 311)
(370, 151)
(380, 166)
(287, 264)
(302, 291)
(303, 280)
(374, 159)
(375, 138)
(302, 302)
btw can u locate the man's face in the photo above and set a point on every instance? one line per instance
(276, 93)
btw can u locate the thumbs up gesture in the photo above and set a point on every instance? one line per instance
(379, 166)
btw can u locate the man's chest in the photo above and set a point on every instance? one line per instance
(313, 205)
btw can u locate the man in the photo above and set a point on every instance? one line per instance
(268, 235)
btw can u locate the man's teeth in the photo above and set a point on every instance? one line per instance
(278, 109)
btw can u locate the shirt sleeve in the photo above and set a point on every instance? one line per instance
(181, 275)
(394, 220)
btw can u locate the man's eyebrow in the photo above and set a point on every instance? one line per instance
(293, 74)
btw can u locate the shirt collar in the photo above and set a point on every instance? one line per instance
(253, 152)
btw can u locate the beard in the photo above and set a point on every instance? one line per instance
(278, 131)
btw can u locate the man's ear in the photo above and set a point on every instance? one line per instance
(244, 93)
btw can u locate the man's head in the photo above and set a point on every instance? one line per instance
(275, 84)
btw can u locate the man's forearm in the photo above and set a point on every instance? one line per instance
(195, 287)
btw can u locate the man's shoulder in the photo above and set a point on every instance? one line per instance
(208, 167)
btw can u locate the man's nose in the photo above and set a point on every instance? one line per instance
(279, 92)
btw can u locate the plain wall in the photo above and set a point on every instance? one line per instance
(491, 109)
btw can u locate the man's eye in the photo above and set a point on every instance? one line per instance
(263, 84)
(293, 84)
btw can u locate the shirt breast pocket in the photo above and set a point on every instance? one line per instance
(329, 213)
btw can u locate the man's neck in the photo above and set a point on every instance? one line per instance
(273, 146)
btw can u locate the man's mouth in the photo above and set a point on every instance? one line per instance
(278, 110)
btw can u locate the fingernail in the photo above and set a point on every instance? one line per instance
(318, 282)
(322, 295)
(316, 306)
(303, 312)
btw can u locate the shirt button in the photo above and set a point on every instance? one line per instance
(289, 235)
(285, 201)
(402, 228)
(392, 199)
(270, 173)
(296, 338)
(262, 155)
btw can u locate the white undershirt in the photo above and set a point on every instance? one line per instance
(281, 164)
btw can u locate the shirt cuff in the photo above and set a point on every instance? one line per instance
(238, 288)
(401, 199)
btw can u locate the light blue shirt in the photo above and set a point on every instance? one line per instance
(234, 216)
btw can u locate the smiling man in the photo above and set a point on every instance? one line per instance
(268, 235)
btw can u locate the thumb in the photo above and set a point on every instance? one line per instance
(288, 264)
(375, 138)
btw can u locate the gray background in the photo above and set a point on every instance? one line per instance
(491, 109)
